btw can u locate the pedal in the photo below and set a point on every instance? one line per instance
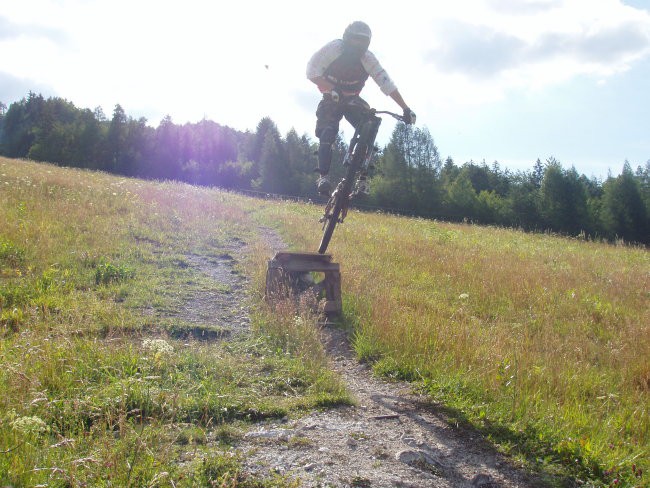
(362, 187)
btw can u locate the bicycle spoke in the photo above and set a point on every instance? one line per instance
(356, 159)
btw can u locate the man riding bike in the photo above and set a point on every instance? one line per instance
(340, 70)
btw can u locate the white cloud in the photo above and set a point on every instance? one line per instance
(506, 45)
(516, 7)
(189, 49)
(198, 58)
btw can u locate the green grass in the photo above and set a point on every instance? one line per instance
(103, 383)
(539, 342)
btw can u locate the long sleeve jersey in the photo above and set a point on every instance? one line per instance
(348, 74)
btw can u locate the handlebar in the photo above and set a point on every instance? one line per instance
(353, 101)
(392, 114)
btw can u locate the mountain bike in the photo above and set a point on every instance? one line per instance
(358, 159)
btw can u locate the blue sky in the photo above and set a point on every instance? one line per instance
(506, 80)
(579, 122)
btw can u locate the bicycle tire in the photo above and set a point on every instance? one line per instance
(332, 220)
(341, 198)
(360, 151)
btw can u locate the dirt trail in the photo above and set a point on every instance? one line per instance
(390, 438)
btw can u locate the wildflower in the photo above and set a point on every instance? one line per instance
(30, 426)
(159, 347)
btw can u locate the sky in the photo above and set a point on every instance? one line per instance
(491, 80)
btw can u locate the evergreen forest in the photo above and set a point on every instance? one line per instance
(410, 176)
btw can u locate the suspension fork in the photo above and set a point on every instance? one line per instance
(374, 124)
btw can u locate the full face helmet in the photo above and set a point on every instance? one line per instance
(356, 38)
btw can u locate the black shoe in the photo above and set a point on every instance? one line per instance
(362, 186)
(324, 185)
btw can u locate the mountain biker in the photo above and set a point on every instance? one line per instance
(340, 70)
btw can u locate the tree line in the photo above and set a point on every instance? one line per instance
(410, 176)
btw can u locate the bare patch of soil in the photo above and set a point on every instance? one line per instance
(222, 309)
(225, 305)
(390, 438)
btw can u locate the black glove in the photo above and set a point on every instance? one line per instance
(409, 116)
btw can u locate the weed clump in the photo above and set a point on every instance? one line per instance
(10, 320)
(107, 273)
(11, 255)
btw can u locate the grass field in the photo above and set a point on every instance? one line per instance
(539, 342)
(95, 389)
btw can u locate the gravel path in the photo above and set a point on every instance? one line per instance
(391, 437)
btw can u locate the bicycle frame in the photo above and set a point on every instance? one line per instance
(360, 153)
(357, 159)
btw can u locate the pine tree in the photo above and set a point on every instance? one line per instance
(461, 197)
(563, 200)
(624, 213)
(116, 140)
(165, 162)
(274, 172)
(537, 175)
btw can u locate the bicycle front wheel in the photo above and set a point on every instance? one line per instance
(342, 196)
(332, 220)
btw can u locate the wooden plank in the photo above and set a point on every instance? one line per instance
(284, 257)
(333, 285)
(284, 272)
(332, 306)
(298, 267)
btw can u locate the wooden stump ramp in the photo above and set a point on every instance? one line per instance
(292, 274)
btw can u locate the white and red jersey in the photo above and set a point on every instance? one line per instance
(348, 74)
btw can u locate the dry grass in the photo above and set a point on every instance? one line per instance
(94, 390)
(539, 333)
(541, 342)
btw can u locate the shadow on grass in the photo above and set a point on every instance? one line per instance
(548, 462)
